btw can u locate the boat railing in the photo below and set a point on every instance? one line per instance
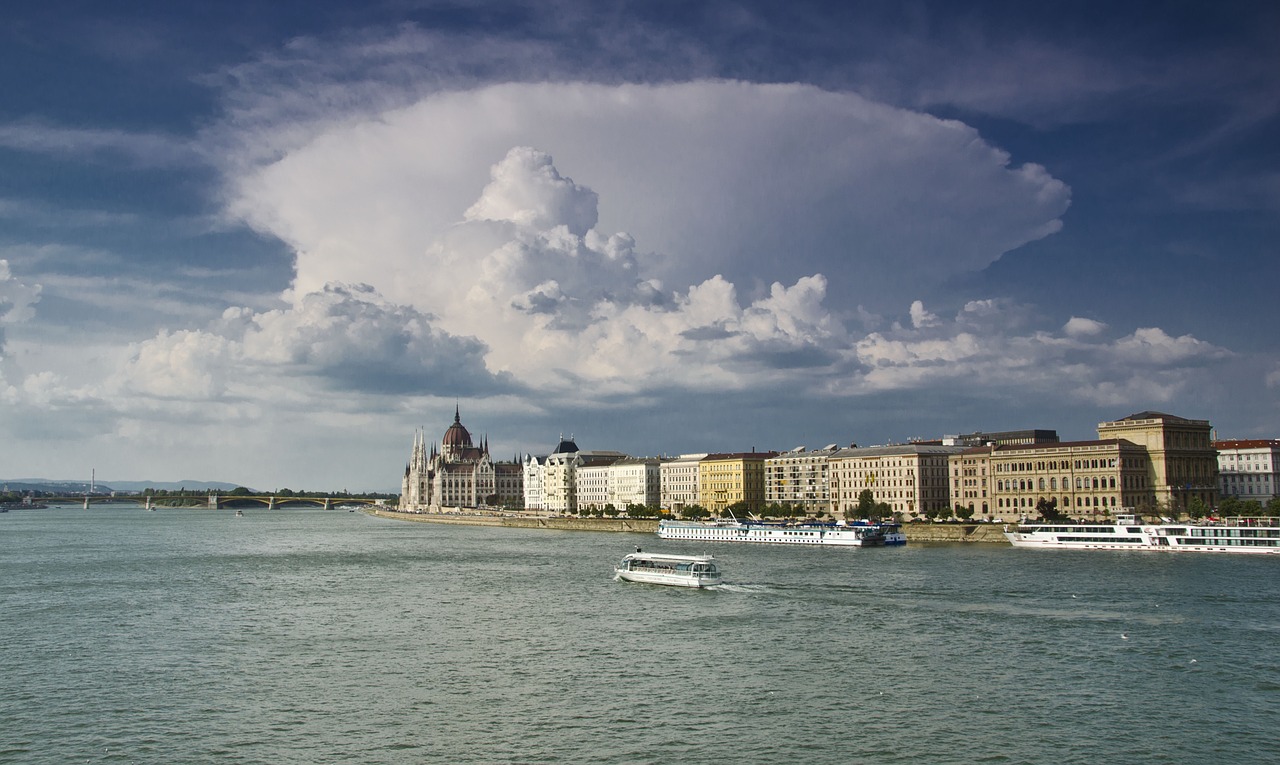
(1260, 521)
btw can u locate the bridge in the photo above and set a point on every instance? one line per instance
(212, 501)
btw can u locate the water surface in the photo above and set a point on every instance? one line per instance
(308, 636)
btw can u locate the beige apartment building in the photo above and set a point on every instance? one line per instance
(620, 483)
(727, 479)
(679, 479)
(970, 481)
(800, 478)
(911, 479)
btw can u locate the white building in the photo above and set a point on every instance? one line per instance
(1249, 469)
(551, 482)
(621, 482)
(679, 481)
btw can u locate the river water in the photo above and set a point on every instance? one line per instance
(312, 636)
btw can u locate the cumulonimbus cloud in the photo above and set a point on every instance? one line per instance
(758, 183)
(452, 259)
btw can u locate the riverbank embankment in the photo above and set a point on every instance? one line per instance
(916, 532)
(562, 523)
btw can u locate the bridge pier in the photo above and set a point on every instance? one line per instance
(213, 501)
(271, 504)
(326, 503)
(86, 502)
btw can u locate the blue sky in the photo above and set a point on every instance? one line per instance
(265, 244)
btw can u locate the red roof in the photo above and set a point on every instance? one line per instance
(1247, 443)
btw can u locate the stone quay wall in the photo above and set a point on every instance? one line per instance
(916, 532)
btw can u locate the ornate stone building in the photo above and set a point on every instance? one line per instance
(1149, 463)
(460, 474)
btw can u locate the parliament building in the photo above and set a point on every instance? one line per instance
(459, 474)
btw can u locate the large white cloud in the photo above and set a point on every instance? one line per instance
(991, 347)
(756, 182)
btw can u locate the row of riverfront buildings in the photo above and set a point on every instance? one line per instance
(1148, 462)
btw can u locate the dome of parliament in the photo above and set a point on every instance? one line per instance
(456, 436)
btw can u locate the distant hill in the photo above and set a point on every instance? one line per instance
(80, 487)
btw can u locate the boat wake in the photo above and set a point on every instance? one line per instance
(747, 588)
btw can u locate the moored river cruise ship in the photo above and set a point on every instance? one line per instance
(838, 534)
(1233, 535)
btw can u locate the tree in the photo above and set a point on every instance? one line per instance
(1196, 508)
(866, 503)
(964, 513)
(1048, 509)
(1231, 506)
(695, 512)
(1273, 506)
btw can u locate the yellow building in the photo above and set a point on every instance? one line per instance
(727, 479)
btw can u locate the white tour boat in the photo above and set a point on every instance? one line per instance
(1234, 535)
(805, 533)
(677, 570)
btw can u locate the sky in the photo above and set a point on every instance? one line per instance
(265, 243)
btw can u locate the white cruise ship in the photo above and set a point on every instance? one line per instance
(839, 534)
(1234, 535)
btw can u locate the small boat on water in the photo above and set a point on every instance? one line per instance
(894, 536)
(1233, 535)
(239, 513)
(676, 570)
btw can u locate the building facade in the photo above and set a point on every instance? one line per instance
(912, 479)
(727, 479)
(1093, 480)
(800, 478)
(1249, 469)
(1148, 463)
(459, 474)
(678, 479)
(1183, 462)
(970, 482)
(619, 483)
(561, 482)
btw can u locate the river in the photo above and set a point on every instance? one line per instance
(314, 636)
